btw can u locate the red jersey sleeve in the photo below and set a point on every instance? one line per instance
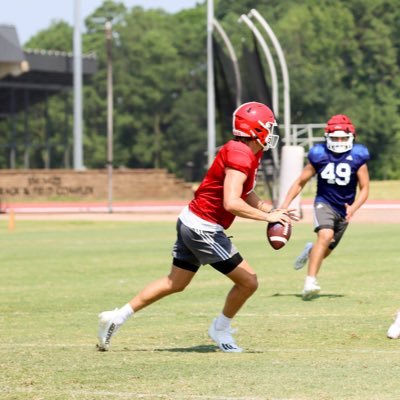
(239, 160)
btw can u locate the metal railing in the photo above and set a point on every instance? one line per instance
(303, 135)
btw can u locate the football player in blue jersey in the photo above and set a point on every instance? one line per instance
(340, 166)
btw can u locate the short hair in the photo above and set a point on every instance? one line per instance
(243, 139)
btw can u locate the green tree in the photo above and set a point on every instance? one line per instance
(343, 57)
(58, 36)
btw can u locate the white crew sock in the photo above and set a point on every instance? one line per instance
(124, 313)
(310, 280)
(222, 323)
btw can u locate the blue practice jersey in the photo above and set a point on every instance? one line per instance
(337, 174)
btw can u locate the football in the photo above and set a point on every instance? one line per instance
(278, 234)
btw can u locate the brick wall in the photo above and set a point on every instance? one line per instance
(91, 185)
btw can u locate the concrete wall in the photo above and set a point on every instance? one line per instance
(91, 185)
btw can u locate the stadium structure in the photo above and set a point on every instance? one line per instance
(26, 78)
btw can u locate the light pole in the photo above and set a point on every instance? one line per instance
(210, 84)
(108, 32)
(78, 152)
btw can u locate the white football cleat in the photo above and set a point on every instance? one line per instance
(107, 328)
(224, 339)
(303, 257)
(394, 329)
(311, 289)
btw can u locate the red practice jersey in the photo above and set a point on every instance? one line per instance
(208, 199)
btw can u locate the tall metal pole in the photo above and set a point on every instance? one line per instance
(210, 85)
(108, 30)
(274, 84)
(292, 157)
(78, 153)
(235, 64)
(270, 60)
(285, 73)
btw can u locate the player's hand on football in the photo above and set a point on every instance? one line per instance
(282, 215)
(293, 214)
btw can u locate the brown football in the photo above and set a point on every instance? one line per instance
(278, 234)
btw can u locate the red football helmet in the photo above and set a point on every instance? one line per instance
(257, 121)
(340, 134)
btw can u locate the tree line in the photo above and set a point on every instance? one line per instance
(342, 56)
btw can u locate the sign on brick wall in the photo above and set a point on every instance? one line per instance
(62, 185)
(46, 186)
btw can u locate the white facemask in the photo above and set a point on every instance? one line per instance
(337, 145)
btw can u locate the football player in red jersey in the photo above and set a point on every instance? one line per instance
(340, 166)
(226, 191)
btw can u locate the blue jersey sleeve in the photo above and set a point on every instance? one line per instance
(317, 155)
(360, 155)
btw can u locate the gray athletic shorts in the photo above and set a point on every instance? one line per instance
(325, 217)
(194, 247)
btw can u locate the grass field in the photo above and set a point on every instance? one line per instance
(57, 276)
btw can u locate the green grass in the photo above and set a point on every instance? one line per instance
(56, 277)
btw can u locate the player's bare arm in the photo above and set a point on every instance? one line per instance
(363, 185)
(233, 188)
(254, 201)
(298, 185)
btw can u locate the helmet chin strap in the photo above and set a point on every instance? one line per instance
(256, 138)
(262, 145)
